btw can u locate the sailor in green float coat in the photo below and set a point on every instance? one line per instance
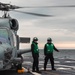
(48, 52)
(35, 54)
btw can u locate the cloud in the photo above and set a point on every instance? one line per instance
(60, 27)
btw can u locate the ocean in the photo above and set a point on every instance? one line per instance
(63, 53)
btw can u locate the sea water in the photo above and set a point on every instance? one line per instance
(63, 53)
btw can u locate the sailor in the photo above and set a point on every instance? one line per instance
(48, 52)
(35, 54)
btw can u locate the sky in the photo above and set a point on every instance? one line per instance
(60, 27)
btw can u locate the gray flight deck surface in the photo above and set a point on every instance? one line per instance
(64, 66)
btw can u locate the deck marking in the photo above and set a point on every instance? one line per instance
(73, 67)
(35, 73)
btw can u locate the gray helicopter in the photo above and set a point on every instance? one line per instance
(10, 54)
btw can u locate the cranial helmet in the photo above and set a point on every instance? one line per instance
(49, 39)
(35, 39)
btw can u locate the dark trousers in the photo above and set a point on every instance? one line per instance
(35, 63)
(47, 57)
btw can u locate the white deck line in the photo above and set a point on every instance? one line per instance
(35, 73)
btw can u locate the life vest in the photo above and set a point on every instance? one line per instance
(49, 48)
(36, 50)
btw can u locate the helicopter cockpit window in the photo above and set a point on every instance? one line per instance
(4, 38)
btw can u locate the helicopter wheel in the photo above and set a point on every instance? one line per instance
(19, 66)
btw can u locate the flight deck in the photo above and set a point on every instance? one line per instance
(63, 66)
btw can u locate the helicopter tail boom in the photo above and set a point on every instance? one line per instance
(22, 51)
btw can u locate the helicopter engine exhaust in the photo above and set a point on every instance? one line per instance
(14, 24)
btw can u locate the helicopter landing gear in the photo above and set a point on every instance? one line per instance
(19, 66)
(20, 69)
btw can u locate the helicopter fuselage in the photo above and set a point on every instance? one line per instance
(8, 44)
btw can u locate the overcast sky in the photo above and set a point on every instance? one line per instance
(60, 27)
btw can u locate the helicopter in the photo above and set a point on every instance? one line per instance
(10, 53)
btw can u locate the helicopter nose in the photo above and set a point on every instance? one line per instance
(7, 54)
(4, 50)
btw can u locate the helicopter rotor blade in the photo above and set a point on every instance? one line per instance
(48, 6)
(9, 7)
(62, 6)
(35, 14)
